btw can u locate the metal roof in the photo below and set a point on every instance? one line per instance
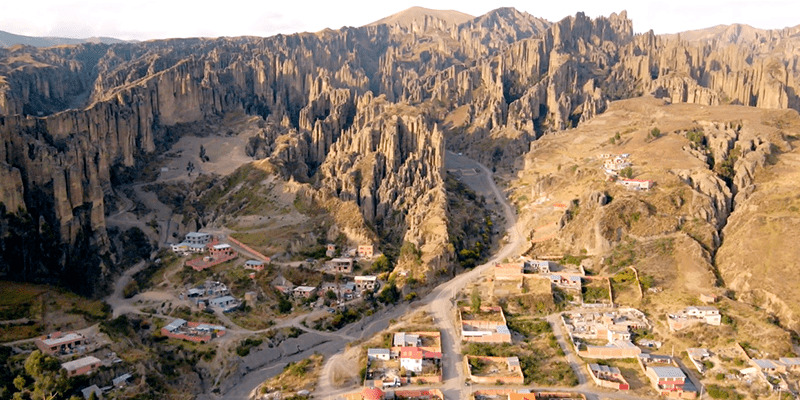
(68, 338)
(175, 324)
(80, 363)
(668, 372)
(604, 368)
(765, 364)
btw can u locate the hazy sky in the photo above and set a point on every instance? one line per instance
(155, 19)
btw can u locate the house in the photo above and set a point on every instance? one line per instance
(282, 285)
(304, 292)
(57, 343)
(608, 377)
(181, 248)
(768, 366)
(87, 392)
(411, 359)
(192, 331)
(340, 265)
(792, 364)
(330, 250)
(256, 265)
(200, 238)
(489, 327)
(402, 339)
(251, 297)
(222, 250)
(697, 356)
(366, 282)
(365, 251)
(379, 354)
(566, 281)
(617, 349)
(694, 315)
(121, 380)
(666, 377)
(225, 303)
(81, 366)
(636, 184)
(708, 298)
(539, 266)
(616, 163)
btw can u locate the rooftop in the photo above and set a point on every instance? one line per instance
(68, 338)
(80, 363)
(175, 324)
(668, 372)
(197, 234)
(604, 369)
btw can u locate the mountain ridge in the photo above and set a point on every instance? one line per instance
(8, 39)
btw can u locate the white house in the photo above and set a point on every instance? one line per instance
(709, 314)
(366, 282)
(379, 354)
(402, 339)
(411, 359)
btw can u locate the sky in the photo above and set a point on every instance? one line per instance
(158, 19)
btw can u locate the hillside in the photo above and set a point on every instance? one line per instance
(418, 16)
(719, 212)
(361, 115)
(8, 39)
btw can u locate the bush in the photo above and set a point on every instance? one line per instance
(720, 392)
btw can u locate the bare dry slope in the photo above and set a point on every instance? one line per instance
(723, 213)
(418, 16)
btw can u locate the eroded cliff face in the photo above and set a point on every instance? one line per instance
(364, 113)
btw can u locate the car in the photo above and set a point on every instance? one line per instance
(330, 310)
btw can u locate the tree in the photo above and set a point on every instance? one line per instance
(284, 306)
(626, 172)
(330, 295)
(476, 301)
(389, 294)
(48, 381)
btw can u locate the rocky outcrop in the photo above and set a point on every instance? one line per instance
(361, 112)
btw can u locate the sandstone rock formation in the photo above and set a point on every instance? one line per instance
(364, 113)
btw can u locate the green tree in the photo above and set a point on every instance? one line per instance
(48, 381)
(476, 300)
(19, 383)
(626, 172)
(284, 306)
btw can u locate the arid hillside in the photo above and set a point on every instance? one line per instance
(720, 218)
